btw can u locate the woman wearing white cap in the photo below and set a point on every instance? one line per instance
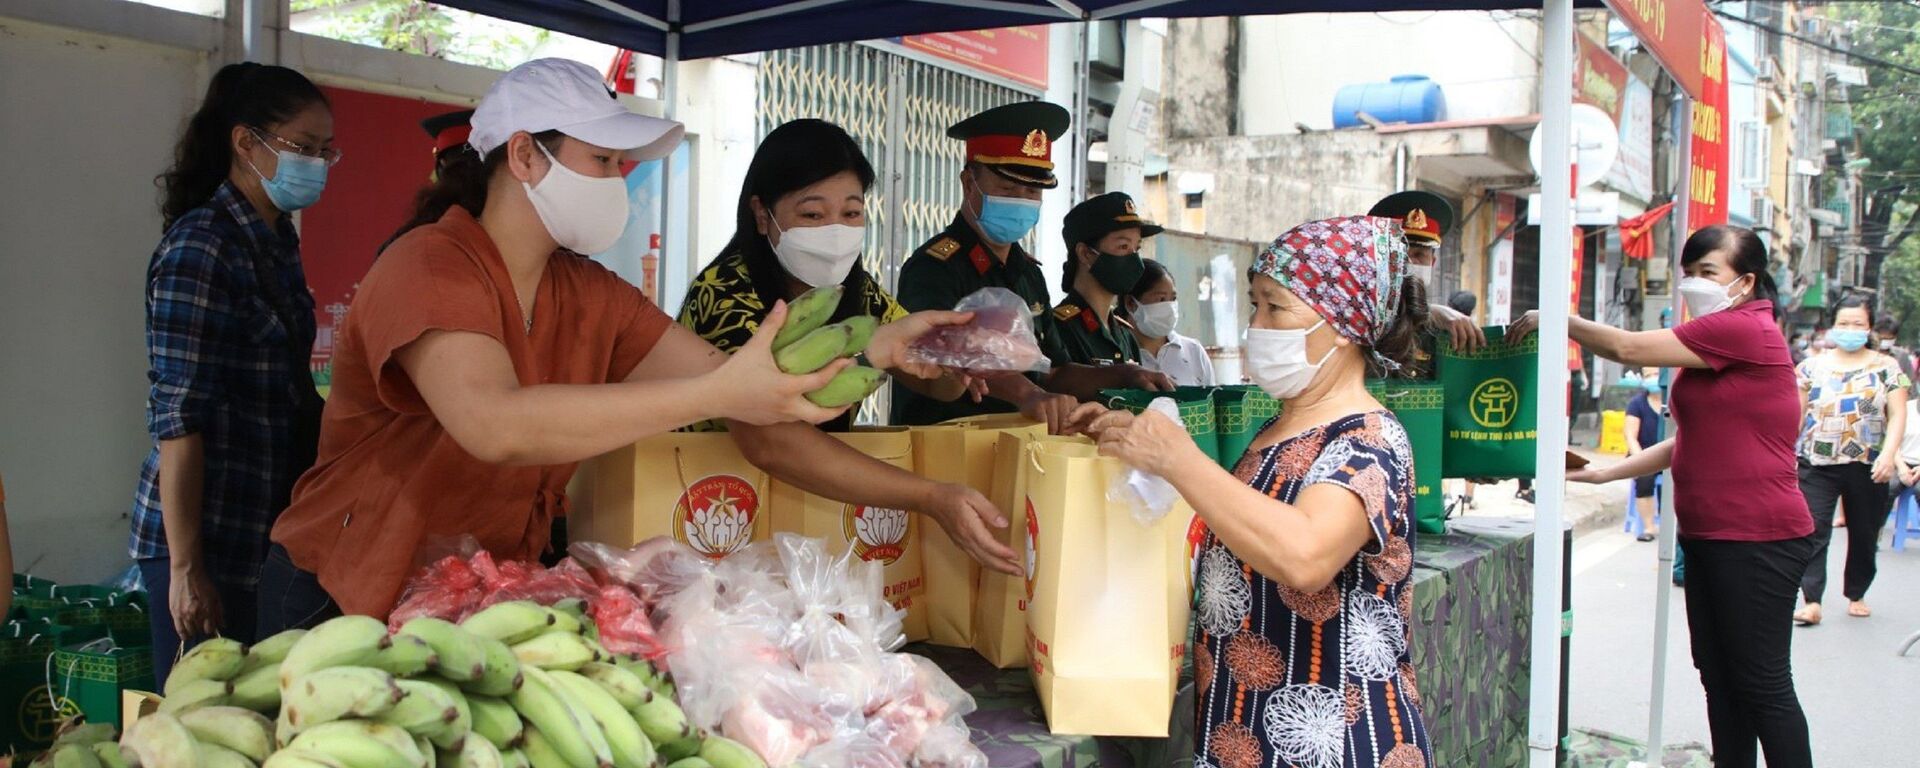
(482, 358)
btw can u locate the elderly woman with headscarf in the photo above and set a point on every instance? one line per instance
(1304, 590)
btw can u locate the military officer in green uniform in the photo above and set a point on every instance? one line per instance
(1103, 237)
(1427, 218)
(1009, 162)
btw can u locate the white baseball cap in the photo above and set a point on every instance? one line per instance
(569, 97)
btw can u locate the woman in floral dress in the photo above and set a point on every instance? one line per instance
(1305, 595)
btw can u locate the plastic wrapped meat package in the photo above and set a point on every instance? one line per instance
(1000, 339)
(454, 586)
(789, 651)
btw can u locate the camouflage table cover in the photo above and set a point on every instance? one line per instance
(1472, 599)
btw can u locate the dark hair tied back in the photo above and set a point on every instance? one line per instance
(250, 94)
(461, 179)
(1401, 343)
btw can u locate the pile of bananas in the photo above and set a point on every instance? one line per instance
(516, 684)
(90, 746)
(807, 344)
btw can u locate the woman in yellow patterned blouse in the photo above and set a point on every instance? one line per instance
(802, 221)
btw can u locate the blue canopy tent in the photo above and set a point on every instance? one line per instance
(678, 29)
(694, 30)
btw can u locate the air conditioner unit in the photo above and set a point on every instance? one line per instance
(1769, 70)
(1763, 211)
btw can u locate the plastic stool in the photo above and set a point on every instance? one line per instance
(1906, 519)
(1632, 524)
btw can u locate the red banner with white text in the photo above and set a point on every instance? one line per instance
(1709, 180)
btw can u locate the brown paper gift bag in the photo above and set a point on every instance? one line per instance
(958, 451)
(1106, 619)
(1000, 605)
(890, 537)
(695, 487)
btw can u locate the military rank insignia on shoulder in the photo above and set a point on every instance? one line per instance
(944, 248)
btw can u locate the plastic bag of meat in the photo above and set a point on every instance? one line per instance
(654, 569)
(447, 589)
(928, 699)
(1000, 339)
(623, 624)
(856, 751)
(523, 580)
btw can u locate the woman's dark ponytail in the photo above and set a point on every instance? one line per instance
(461, 180)
(1401, 343)
(247, 93)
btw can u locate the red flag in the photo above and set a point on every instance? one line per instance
(621, 73)
(1636, 234)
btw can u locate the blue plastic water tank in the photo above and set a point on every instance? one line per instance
(1404, 99)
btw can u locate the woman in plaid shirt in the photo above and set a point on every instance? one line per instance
(232, 410)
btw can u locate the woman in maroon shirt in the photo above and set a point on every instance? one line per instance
(1744, 526)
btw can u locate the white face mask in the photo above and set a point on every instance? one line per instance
(1704, 297)
(818, 255)
(1277, 360)
(583, 214)
(1157, 320)
(1422, 272)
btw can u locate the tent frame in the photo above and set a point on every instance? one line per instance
(253, 28)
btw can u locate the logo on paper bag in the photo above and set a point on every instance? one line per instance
(1196, 534)
(1033, 545)
(715, 516)
(41, 714)
(877, 533)
(1494, 403)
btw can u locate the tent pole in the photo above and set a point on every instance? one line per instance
(1556, 283)
(1682, 128)
(1082, 143)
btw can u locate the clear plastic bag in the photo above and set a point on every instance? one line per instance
(786, 649)
(949, 745)
(1148, 496)
(854, 751)
(1000, 338)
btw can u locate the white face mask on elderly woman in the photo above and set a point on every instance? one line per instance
(1277, 360)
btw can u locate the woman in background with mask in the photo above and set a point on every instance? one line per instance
(232, 410)
(484, 357)
(1744, 527)
(1103, 237)
(1304, 602)
(1855, 401)
(1152, 310)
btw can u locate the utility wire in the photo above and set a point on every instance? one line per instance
(1818, 44)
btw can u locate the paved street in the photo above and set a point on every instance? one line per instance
(1861, 700)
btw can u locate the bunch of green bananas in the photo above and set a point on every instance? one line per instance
(85, 746)
(807, 344)
(516, 684)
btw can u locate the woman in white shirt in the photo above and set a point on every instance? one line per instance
(1152, 310)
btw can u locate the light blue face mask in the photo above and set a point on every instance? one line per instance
(1849, 339)
(1651, 385)
(297, 182)
(1006, 219)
